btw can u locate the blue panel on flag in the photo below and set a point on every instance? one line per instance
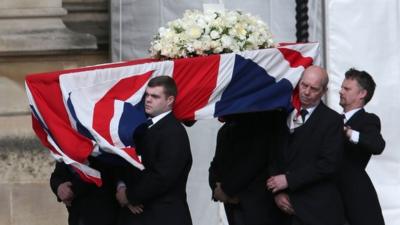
(131, 118)
(252, 89)
(80, 128)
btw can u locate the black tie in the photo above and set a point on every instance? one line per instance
(343, 117)
(149, 122)
(303, 114)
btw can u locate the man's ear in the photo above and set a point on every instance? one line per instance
(170, 100)
(324, 90)
(363, 93)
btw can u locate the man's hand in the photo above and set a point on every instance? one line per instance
(283, 202)
(121, 196)
(347, 131)
(135, 209)
(277, 183)
(220, 195)
(64, 192)
(233, 200)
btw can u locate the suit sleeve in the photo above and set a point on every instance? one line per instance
(59, 176)
(278, 144)
(327, 160)
(63, 174)
(170, 166)
(248, 167)
(371, 139)
(259, 139)
(213, 171)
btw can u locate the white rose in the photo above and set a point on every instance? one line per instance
(190, 47)
(240, 30)
(169, 34)
(218, 50)
(197, 45)
(215, 44)
(235, 48)
(231, 19)
(214, 34)
(157, 46)
(226, 41)
(205, 45)
(201, 23)
(206, 30)
(194, 32)
(208, 17)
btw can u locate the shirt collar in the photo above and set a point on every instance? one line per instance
(310, 110)
(350, 113)
(159, 117)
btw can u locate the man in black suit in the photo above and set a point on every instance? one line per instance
(304, 184)
(240, 166)
(363, 139)
(87, 204)
(157, 195)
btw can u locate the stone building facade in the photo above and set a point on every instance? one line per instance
(38, 36)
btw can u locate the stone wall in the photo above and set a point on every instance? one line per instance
(25, 195)
(81, 29)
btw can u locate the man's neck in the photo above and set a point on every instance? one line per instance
(352, 107)
(159, 116)
(310, 106)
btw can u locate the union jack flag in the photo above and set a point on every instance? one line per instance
(95, 110)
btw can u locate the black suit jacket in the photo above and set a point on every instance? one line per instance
(242, 159)
(359, 195)
(92, 205)
(311, 162)
(161, 187)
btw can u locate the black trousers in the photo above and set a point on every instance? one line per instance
(234, 214)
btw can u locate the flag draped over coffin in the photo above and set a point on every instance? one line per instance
(88, 111)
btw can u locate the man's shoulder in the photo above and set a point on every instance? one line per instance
(370, 115)
(362, 117)
(170, 122)
(328, 112)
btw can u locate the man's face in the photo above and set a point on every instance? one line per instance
(310, 89)
(351, 95)
(156, 102)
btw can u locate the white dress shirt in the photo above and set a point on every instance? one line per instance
(159, 117)
(355, 135)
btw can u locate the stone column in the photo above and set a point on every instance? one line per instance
(29, 26)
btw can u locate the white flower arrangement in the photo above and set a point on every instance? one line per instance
(198, 34)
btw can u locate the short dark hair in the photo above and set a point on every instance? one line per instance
(167, 82)
(364, 80)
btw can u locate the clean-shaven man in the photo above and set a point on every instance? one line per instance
(157, 195)
(305, 181)
(363, 139)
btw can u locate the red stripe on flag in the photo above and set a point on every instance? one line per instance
(196, 79)
(104, 108)
(86, 177)
(42, 135)
(295, 58)
(296, 99)
(132, 153)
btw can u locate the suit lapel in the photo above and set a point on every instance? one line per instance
(355, 118)
(303, 132)
(161, 122)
